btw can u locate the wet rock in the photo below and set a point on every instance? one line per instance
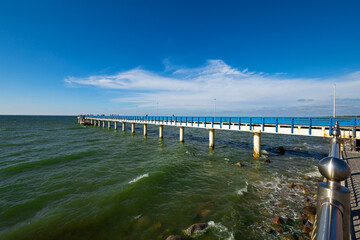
(280, 150)
(291, 185)
(239, 164)
(286, 237)
(267, 160)
(302, 219)
(297, 149)
(277, 220)
(310, 212)
(175, 237)
(278, 228)
(194, 229)
(306, 230)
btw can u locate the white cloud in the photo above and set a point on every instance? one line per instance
(237, 91)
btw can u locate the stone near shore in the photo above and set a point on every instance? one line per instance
(287, 237)
(277, 220)
(291, 185)
(267, 160)
(310, 212)
(306, 230)
(280, 150)
(278, 228)
(194, 229)
(239, 164)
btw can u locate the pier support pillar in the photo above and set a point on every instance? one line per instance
(123, 126)
(103, 123)
(145, 129)
(91, 122)
(211, 138)
(181, 134)
(109, 124)
(95, 123)
(99, 122)
(133, 127)
(161, 131)
(257, 144)
(115, 125)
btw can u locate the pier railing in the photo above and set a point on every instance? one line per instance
(333, 200)
(350, 123)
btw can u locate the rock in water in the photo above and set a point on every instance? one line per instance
(239, 164)
(277, 220)
(175, 237)
(287, 237)
(310, 212)
(280, 150)
(194, 229)
(291, 185)
(267, 160)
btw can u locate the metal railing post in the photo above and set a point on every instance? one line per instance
(333, 200)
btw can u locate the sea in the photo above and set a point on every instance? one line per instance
(62, 180)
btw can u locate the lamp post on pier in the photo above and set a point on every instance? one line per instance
(214, 108)
(334, 110)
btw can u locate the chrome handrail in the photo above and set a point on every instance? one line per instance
(333, 200)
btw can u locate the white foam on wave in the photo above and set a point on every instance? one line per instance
(222, 231)
(138, 178)
(226, 159)
(243, 190)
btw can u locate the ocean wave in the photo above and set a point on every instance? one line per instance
(221, 231)
(138, 178)
(243, 190)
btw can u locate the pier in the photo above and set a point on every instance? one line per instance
(315, 127)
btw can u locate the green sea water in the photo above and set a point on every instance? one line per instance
(61, 180)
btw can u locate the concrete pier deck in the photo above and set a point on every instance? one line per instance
(353, 183)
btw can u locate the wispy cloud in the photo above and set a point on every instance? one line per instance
(237, 91)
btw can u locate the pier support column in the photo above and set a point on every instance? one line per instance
(95, 123)
(103, 123)
(109, 124)
(161, 131)
(181, 134)
(211, 138)
(145, 129)
(257, 144)
(91, 122)
(99, 122)
(133, 127)
(123, 126)
(115, 125)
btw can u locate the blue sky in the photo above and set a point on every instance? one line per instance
(257, 58)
